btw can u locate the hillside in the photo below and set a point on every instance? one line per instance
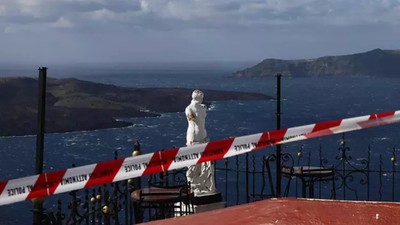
(385, 63)
(73, 104)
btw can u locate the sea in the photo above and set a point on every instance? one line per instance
(304, 101)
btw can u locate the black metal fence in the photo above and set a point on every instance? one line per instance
(370, 177)
(246, 178)
(106, 204)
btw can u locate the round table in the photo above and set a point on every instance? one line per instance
(309, 175)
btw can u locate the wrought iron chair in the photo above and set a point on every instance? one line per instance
(167, 195)
(308, 176)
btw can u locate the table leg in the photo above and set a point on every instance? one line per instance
(304, 187)
(311, 191)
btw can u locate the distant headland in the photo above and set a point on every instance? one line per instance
(378, 62)
(73, 105)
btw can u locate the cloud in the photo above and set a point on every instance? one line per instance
(24, 12)
(2, 10)
(178, 14)
(206, 29)
(62, 23)
(102, 14)
(10, 30)
(270, 11)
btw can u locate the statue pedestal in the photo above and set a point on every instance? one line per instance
(208, 202)
(207, 198)
(209, 207)
(202, 203)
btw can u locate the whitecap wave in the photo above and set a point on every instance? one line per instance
(384, 138)
(138, 125)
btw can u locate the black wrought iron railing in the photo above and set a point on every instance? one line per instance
(247, 178)
(356, 177)
(106, 204)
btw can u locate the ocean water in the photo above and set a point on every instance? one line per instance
(305, 101)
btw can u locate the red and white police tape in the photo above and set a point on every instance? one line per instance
(76, 178)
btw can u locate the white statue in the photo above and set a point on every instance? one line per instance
(201, 176)
(196, 115)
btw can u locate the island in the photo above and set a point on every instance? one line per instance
(74, 105)
(378, 62)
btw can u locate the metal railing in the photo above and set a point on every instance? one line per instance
(106, 204)
(243, 179)
(356, 177)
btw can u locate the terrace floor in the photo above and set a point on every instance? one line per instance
(291, 211)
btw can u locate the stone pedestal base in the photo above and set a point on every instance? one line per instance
(207, 202)
(206, 198)
(209, 207)
(203, 203)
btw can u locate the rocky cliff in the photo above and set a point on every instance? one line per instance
(73, 104)
(385, 63)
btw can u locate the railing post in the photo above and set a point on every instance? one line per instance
(136, 184)
(38, 203)
(393, 161)
(278, 127)
(247, 178)
(226, 162)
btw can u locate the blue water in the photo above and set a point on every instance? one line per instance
(305, 101)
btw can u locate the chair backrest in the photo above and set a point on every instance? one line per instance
(173, 179)
(317, 172)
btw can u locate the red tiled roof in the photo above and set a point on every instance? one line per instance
(290, 211)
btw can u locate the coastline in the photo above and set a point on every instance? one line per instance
(76, 105)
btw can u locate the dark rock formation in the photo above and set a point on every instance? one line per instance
(385, 63)
(73, 104)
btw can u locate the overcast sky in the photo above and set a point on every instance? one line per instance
(68, 31)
